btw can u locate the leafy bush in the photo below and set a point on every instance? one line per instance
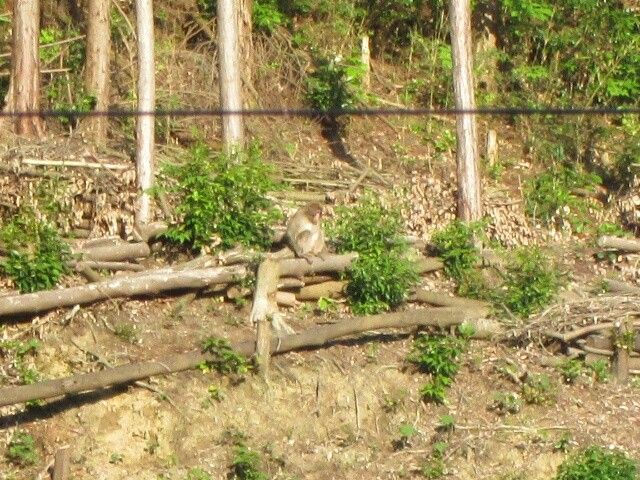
(267, 16)
(22, 449)
(224, 359)
(223, 198)
(550, 198)
(382, 276)
(595, 463)
(538, 389)
(37, 255)
(455, 246)
(437, 356)
(530, 283)
(246, 465)
(335, 84)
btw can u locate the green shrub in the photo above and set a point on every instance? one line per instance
(37, 255)
(531, 282)
(198, 474)
(538, 389)
(595, 463)
(455, 246)
(438, 356)
(335, 84)
(224, 359)
(246, 465)
(266, 16)
(22, 449)
(382, 276)
(550, 198)
(223, 198)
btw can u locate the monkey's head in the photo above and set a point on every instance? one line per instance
(314, 212)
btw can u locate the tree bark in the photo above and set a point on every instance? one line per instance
(616, 243)
(97, 73)
(314, 337)
(25, 68)
(145, 133)
(469, 204)
(229, 68)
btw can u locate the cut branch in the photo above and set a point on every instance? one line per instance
(314, 337)
(615, 243)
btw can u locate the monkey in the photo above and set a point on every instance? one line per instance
(304, 232)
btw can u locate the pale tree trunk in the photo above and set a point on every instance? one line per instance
(97, 66)
(230, 83)
(146, 103)
(25, 67)
(469, 204)
(245, 29)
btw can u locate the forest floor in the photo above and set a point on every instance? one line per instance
(339, 412)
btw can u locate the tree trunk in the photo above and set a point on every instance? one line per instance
(469, 205)
(245, 30)
(25, 67)
(230, 83)
(146, 103)
(97, 66)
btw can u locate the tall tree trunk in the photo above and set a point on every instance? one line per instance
(97, 65)
(245, 31)
(25, 67)
(230, 83)
(145, 135)
(469, 204)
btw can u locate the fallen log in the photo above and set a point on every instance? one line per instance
(616, 286)
(616, 243)
(114, 253)
(151, 282)
(332, 289)
(113, 266)
(314, 337)
(441, 299)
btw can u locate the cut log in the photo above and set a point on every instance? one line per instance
(331, 289)
(287, 299)
(441, 299)
(616, 243)
(314, 337)
(113, 266)
(115, 253)
(428, 264)
(616, 286)
(151, 282)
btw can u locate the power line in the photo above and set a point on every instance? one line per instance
(314, 113)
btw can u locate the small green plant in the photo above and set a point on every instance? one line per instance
(530, 283)
(596, 463)
(446, 423)
(197, 474)
(224, 359)
(550, 198)
(435, 467)
(116, 458)
(215, 393)
(571, 369)
(335, 84)
(563, 443)
(506, 402)
(437, 356)
(246, 465)
(37, 256)
(382, 275)
(600, 370)
(126, 332)
(22, 449)
(455, 246)
(407, 431)
(222, 199)
(267, 16)
(327, 305)
(538, 389)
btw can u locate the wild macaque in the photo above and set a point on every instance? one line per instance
(304, 232)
